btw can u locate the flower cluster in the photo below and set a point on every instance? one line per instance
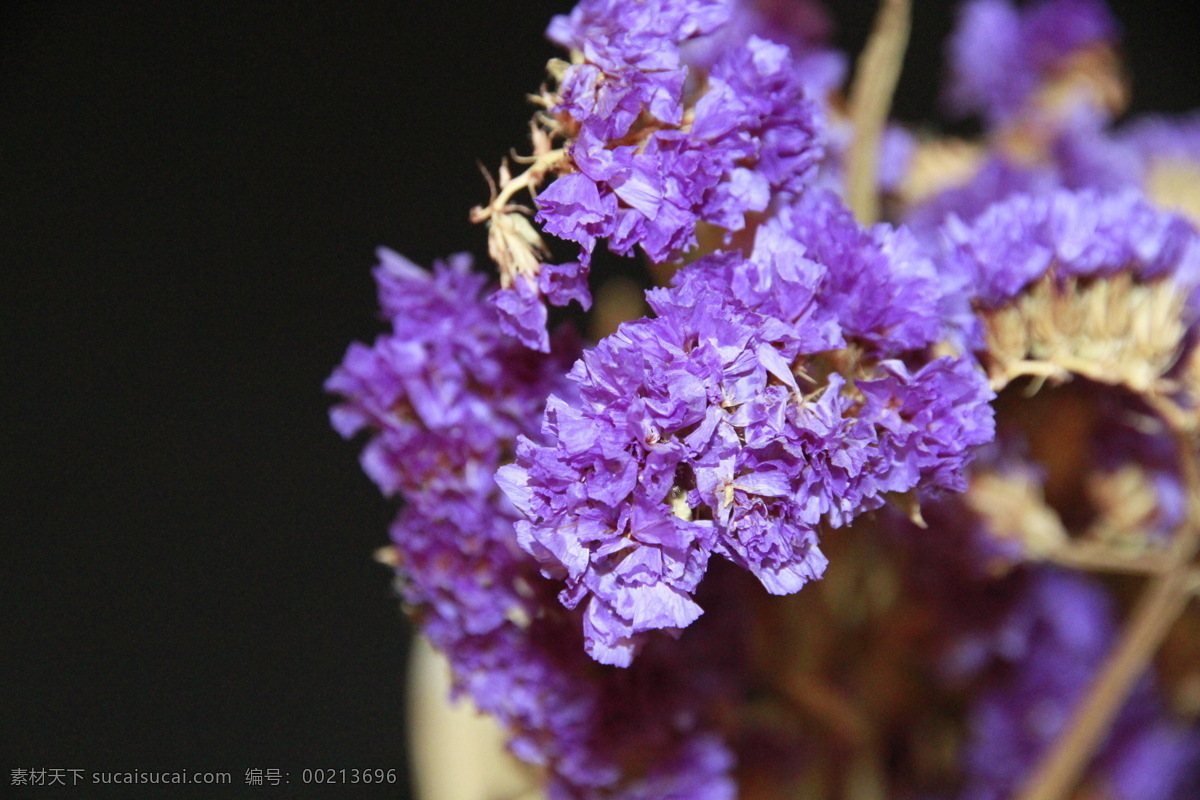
(1002, 56)
(655, 145)
(443, 396)
(1075, 235)
(766, 398)
(825, 516)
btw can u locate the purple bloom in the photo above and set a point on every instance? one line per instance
(756, 113)
(523, 314)
(631, 59)
(753, 134)
(444, 386)
(562, 283)
(704, 430)
(614, 33)
(646, 175)
(444, 395)
(1081, 156)
(803, 26)
(999, 55)
(882, 288)
(1082, 234)
(659, 141)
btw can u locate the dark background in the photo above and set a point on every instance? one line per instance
(190, 198)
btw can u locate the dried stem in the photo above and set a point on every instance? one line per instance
(1099, 557)
(529, 179)
(875, 80)
(1160, 605)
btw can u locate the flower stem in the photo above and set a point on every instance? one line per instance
(870, 100)
(1160, 605)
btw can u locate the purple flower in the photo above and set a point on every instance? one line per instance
(803, 26)
(882, 288)
(724, 426)
(631, 59)
(659, 142)
(444, 395)
(523, 314)
(999, 55)
(1082, 234)
(646, 177)
(444, 385)
(618, 32)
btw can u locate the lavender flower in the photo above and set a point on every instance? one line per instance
(693, 435)
(663, 130)
(753, 132)
(444, 395)
(1081, 234)
(803, 26)
(999, 55)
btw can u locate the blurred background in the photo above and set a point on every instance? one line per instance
(190, 198)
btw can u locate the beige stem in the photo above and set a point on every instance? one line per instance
(1160, 605)
(875, 80)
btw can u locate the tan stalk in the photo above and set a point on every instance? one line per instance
(1161, 603)
(529, 179)
(874, 84)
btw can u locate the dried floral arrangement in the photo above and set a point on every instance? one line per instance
(894, 489)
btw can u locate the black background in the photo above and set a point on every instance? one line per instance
(190, 198)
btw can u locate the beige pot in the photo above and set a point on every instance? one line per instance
(457, 753)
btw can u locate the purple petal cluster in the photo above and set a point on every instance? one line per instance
(523, 313)
(999, 54)
(444, 390)
(753, 133)
(725, 425)
(881, 287)
(613, 34)
(444, 395)
(631, 60)
(652, 158)
(674, 115)
(1082, 234)
(803, 26)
